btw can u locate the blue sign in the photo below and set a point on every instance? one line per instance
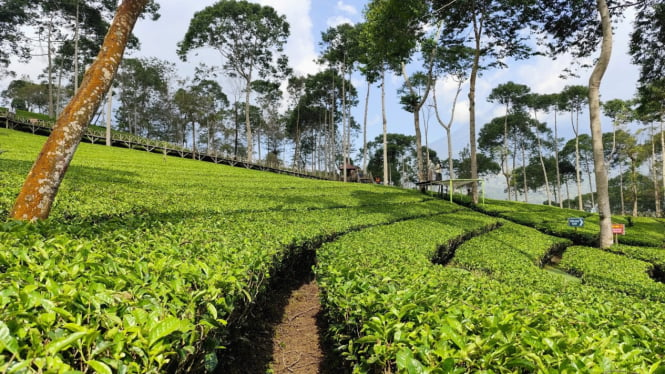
(575, 221)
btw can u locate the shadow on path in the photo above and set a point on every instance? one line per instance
(283, 332)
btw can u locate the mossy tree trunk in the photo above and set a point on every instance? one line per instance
(42, 183)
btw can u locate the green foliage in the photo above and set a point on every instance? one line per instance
(646, 231)
(462, 165)
(146, 260)
(392, 310)
(246, 35)
(25, 95)
(511, 251)
(647, 37)
(401, 150)
(392, 31)
(655, 256)
(613, 272)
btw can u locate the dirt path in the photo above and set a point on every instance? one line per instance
(283, 335)
(296, 345)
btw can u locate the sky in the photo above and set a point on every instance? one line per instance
(308, 18)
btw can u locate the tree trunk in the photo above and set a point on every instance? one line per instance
(296, 151)
(248, 124)
(416, 122)
(51, 107)
(344, 144)
(578, 177)
(593, 201)
(42, 183)
(512, 179)
(508, 181)
(210, 136)
(602, 184)
(385, 126)
(542, 162)
(419, 146)
(258, 142)
(193, 139)
(472, 109)
(542, 165)
(662, 153)
(235, 143)
(654, 172)
(504, 152)
(108, 117)
(451, 173)
(623, 206)
(556, 161)
(568, 194)
(526, 190)
(633, 187)
(365, 128)
(428, 175)
(76, 50)
(331, 131)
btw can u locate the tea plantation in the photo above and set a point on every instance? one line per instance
(147, 262)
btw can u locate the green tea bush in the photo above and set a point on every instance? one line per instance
(392, 310)
(146, 260)
(612, 271)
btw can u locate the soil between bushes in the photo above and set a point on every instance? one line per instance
(284, 334)
(296, 346)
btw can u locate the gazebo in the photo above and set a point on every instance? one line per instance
(451, 185)
(351, 172)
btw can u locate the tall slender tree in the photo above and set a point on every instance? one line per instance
(394, 29)
(581, 27)
(512, 96)
(651, 99)
(493, 30)
(621, 113)
(341, 50)
(536, 103)
(573, 99)
(247, 35)
(454, 62)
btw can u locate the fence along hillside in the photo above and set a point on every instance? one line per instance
(97, 135)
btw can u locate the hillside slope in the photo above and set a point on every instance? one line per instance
(147, 263)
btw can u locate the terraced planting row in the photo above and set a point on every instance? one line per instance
(613, 271)
(147, 262)
(492, 308)
(641, 231)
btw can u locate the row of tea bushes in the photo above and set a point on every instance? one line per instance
(640, 231)
(613, 271)
(391, 309)
(147, 262)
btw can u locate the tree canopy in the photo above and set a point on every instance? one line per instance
(247, 35)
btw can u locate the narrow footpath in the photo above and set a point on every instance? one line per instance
(284, 334)
(296, 345)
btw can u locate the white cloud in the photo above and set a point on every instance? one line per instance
(338, 20)
(301, 46)
(350, 9)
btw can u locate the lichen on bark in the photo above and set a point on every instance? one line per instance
(36, 197)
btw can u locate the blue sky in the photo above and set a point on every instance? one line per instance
(308, 18)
